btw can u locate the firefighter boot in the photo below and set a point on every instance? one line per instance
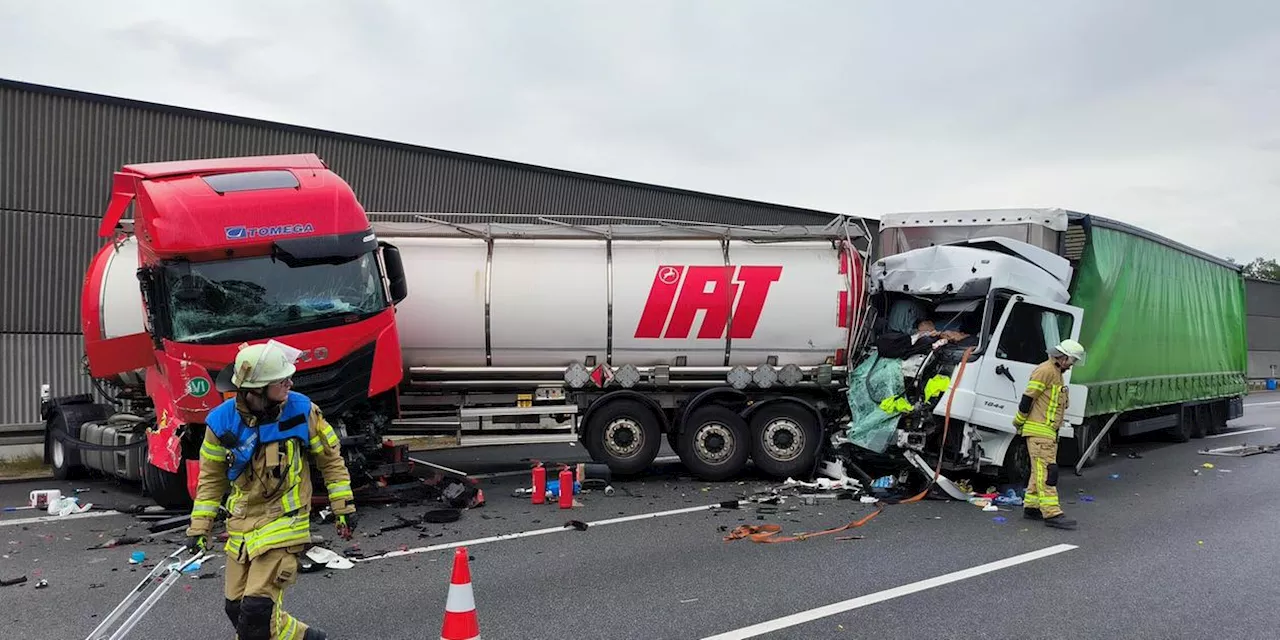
(314, 634)
(1060, 521)
(1032, 513)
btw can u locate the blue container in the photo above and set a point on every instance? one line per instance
(1271, 384)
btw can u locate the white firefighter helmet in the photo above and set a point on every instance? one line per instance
(259, 365)
(1070, 349)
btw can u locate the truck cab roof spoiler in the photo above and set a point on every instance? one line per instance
(124, 183)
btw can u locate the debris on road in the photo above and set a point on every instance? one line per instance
(1241, 451)
(9, 582)
(328, 558)
(115, 542)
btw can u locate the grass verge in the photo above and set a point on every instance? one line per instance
(28, 465)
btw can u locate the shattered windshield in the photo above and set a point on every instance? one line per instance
(247, 298)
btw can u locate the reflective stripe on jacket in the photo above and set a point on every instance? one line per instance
(1049, 392)
(269, 505)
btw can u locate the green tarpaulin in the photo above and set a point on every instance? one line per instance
(1160, 326)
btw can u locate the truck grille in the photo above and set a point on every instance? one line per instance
(341, 385)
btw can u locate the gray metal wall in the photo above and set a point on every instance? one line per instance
(58, 149)
(1262, 308)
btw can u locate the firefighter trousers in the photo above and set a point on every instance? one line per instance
(255, 590)
(1042, 486)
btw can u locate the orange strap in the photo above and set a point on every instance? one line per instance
(766, 532)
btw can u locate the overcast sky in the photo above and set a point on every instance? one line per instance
(1161, 113)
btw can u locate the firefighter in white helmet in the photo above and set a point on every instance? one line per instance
(258, 445)
(1040, 413)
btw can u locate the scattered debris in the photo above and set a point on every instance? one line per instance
(329, 559)
(13, 581)
(577, 524)
(137, 557)
(43, 584)
(1241, 451)
(115, 542)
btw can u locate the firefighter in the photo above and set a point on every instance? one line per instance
(1038, 419)
(259, 445)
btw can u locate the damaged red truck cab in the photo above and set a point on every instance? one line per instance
(226, 252)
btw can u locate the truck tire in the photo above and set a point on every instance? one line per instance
(1202, 415)
(1071, 449)
(715, 443)
(1016, 469)
(624, 434)
(1186, 426)
(67, 418)
(169, 490)
(785, 437)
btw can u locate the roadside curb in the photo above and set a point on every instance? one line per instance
(26, 478)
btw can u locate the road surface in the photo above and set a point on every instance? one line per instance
(1166, 549)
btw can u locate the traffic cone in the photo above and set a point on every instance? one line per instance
(460, 621)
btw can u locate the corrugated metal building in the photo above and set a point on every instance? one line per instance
(1262, 309)
(58, 149)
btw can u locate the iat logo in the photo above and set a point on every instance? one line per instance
(678, 293)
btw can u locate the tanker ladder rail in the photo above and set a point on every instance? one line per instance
(171, 572)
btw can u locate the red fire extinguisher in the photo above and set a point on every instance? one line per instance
(539, 483)
(566, 488)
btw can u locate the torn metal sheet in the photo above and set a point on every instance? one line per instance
(1241, 450)
(942, 481)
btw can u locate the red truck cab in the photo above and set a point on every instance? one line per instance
(233, 251)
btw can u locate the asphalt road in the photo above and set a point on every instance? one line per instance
(1166, 549)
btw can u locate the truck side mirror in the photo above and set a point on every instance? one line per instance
(398, 285)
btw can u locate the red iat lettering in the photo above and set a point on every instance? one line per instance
(695, 297)
(679, 293)
(666, 281)
(755, 288)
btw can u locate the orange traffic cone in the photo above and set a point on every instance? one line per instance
(460, 621)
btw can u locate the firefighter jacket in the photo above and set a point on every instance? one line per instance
(1049, 401)
(265, 465)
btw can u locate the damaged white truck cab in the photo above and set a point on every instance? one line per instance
(1014, 295)
(996, 295)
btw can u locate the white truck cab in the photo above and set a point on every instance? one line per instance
(1010, 296)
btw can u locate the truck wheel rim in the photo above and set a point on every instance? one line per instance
(783, 439)
(623, 437)
(714, 443)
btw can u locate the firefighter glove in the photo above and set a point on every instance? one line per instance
(195, 543)
(346, 524)
(1019, 419)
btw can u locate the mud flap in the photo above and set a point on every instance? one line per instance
(947, 485)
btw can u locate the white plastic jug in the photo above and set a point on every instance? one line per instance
(44, 497)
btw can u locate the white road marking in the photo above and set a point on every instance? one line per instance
(1261, 404)
(1240, 433)
(538, 532)
(889, 594)
(508, 474)
(70, 516)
